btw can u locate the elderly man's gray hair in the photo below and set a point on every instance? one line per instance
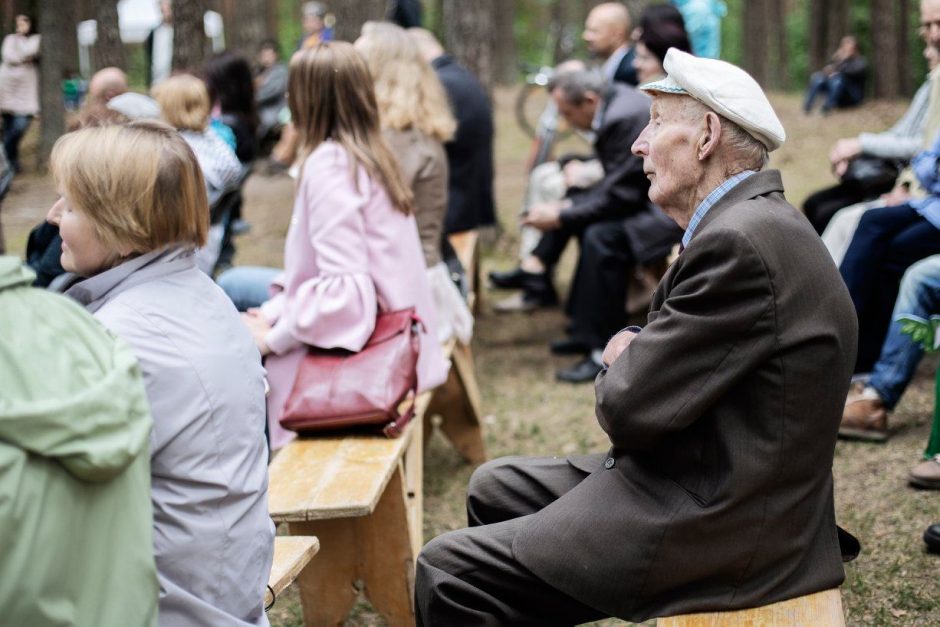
(575, 84)
(314, 8)
(747, 151)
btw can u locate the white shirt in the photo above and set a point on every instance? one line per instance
(162, 61)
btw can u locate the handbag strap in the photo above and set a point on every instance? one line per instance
(394, 428)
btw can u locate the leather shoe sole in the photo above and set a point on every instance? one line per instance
(864, 435)
(520, 303)
(511, 279)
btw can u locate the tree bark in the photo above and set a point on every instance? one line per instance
(470, 36)
(818, 35)
(248, 28)
(190, 45)
(109, 49)
(350, 16)
(53, 26)
(777, 22)
(886, 79)
(755, 39)
(904, 58)
(505, 52)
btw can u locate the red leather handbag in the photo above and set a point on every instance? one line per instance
(337, 388)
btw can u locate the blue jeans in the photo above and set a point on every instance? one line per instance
(14, 127)
(839, 92)
(887, 242)
(919, 295)
(248, 286)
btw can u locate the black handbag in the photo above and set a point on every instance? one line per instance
(872, 172)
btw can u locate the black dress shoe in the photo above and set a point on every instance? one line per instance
(569, 346)
(932, 538)
(515, 279)
(582, 372)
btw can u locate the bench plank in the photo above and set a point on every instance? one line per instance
(821, 609)
(291, 555)
(337, 476)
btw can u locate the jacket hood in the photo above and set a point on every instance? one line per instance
(69, 390)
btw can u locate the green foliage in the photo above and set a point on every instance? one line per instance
(923, 332)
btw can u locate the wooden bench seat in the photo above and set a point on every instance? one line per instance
(361, 495)
(291, 556)
(822, 609)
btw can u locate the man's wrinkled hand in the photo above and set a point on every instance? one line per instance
(617, 345)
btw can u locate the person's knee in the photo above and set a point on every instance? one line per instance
(488, 488)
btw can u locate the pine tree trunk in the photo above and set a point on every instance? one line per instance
(190, 45)
(470, 36)
(886, 79)
(818, 35)
(248, 28)
(755, 39)
(53, 26)
(505, 51)
(350, 16)
(780, 75)
(901, 34)
(109, 49)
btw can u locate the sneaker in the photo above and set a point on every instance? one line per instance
(926, 474)
(865, 416)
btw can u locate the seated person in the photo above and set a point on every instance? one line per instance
(842, 80)
(131, 213)
(352, 246)
(872, 398)
(75, 516)
(897, 145)
(105, 84)
(886, 243)
(618, 112)
(470, 152)
(692, 509)
(270, 88)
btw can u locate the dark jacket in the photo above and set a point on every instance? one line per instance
(470, 153)
(722, 414)
(623, 192)
(625, 72)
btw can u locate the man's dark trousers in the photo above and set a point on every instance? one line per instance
(470, 577)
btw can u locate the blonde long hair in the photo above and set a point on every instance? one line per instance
(330, 95)
(407, 89)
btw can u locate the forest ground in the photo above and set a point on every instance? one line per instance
(528, 413)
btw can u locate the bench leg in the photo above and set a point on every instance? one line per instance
(458, 404)
(379, 550)
(327, 591)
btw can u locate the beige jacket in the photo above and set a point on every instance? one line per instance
(19, 77)
(423, 165)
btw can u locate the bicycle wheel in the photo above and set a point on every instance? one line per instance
(530, 104)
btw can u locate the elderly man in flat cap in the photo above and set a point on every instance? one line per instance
(722, 411)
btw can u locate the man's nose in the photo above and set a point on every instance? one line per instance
(639, 147)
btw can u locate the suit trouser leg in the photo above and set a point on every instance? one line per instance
(597, 305)
(470, 576)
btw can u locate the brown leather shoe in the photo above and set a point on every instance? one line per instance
(926, 474)
(864, 417)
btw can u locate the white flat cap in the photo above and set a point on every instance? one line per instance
(725, 88)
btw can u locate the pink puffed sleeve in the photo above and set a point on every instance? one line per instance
(337, 307)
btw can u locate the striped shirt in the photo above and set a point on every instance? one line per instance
(706, 204)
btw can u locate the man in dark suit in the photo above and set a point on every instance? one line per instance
(470, 152)
(722, 411)
(617, 202)
(607, 38)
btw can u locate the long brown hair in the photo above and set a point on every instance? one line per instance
(331, 96)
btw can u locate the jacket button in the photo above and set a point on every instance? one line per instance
(609, 463)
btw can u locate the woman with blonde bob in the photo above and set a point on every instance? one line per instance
(352, 247)
(131, 211)
(184, 105)
(416, 120)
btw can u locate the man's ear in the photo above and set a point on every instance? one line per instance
(592, 98)
(711, 135)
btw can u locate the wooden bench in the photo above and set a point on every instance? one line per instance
(457, 402)
(822, 609)
(465, 244)
(291, 556)
(361, 495)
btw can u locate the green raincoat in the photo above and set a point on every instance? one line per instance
(76, 523)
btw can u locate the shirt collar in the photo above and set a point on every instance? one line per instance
(613, 62)
(94, 292)
(709, 201)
